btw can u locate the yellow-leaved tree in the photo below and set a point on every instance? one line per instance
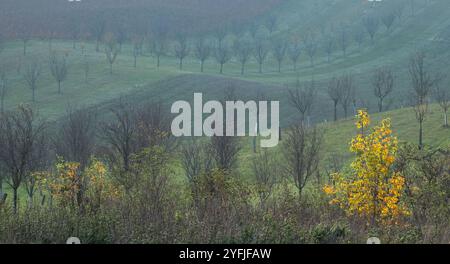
(372, 190)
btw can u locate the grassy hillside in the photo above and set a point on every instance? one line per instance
(421, 31)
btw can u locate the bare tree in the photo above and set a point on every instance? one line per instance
(311, 47)
(111, 50)
(371, 23)
(302, 98)
(295, 50)
(442, 95)
(137, 41)
(202, 51)
(301, 151)
(58, 68)
(97, 30)
(328, 45)
(344, 38)
(159, 48)
(388, 20)
(383, 83)
(422, 84)
(222, 54)
(265, 169)
(260, 52)
(243, 50)
(181, 48)
(74, 26)
(279, 51)
(271, 23)
(334, 92)
(224, 150)
(195, 159)
(346, 92)
(76, 137)
(19, 134)
(120, 135)
(31, 75)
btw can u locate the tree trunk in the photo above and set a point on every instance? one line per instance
(445, 118)
(201, 65)
(260, 68)
(97, 46)
(279, 67)
(335, 111)
(135, 61)
(221, 68)
(15, 200)
(380, 105)
(420, 134)
(110, 69)
(33, 95)
(181, 64)
(59, 87)
(242, 68)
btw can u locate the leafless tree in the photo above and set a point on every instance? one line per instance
(74, 26)
(23, 33)
(31, 75)
(344, 38)
(58, 68)
(383, 83)
(260, 52)
(75, 140)
(181, 49)
(334, 92)
(371, 23)
(295, 50)
(97, 30)
(111, 50)
(202, 51)
(137, 41)
(311, 47)
(301, 151)
(328, 44)
(222, 54)
(398, 9)
(422, 84)
(195, 159)
(242, 50)
(346, 92)
(224, 150)
(19, 135)
(158, 48)
(265, 169)
(271, 23)
(388, 20)
(120, 134)
(442, 95)
(279, 51)
(302, 98)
